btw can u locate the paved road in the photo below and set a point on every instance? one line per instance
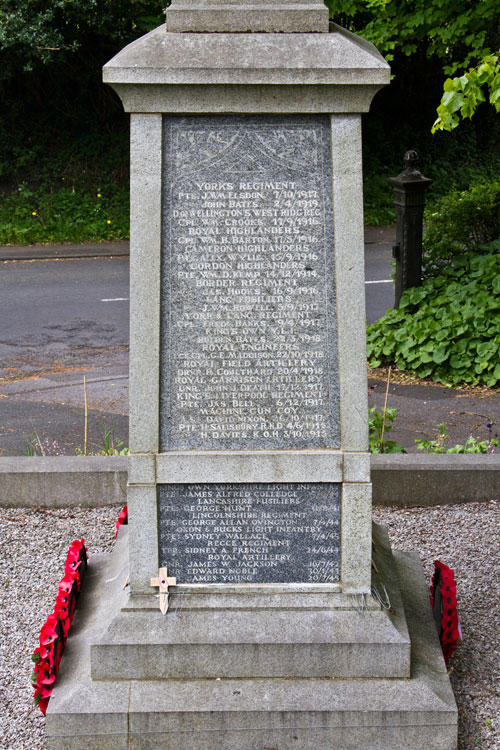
(61, 307)
(63, 319)
(73, 310)
(64, 315)
(379, 287)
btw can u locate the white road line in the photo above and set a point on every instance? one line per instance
(380, 281)
(116, 299)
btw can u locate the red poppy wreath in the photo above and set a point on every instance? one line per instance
(55, 630)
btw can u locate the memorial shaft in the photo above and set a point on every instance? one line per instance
(248, 419)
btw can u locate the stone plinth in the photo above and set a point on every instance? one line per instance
(320, 704)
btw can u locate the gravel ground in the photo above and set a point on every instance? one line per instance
(465, 537)
(33, 547)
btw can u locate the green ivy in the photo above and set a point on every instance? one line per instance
(448, 328)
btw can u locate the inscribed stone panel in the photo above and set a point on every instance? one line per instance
(249, 343)
(250, 533)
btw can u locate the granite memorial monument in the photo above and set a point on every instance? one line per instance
(289, 624)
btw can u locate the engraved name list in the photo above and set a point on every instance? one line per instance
(250, 533)
(248, 301)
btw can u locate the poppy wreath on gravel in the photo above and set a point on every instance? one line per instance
(122, 519)
(444, 605)
(55, 630)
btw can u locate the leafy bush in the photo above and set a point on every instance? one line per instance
(457, 165)
(459, 223)
(65, 215)
(448, 328)
(378, 200)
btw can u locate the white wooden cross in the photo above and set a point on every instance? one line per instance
(163, 582)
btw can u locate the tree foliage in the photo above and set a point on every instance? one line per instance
(463, 36)
(34, 32)
(457, 32)
(464, 93)
(461, 222)
(59, 119)
(59, 122)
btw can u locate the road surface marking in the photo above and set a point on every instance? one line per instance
(116, 299)
(380, 281)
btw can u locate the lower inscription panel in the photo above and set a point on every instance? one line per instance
(250, 533)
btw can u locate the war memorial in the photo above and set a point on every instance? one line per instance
(251, 604)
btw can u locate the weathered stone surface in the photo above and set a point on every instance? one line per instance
(255, 336)
(356, 536)
(339, 59)
(349, 271)
(250, 15)
(95, 481)
(245, 467)
(145, 236)
(249, 353)
(250, 533)
(266, 632)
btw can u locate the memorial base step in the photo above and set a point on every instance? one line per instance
(204, 636)
(249, 713)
